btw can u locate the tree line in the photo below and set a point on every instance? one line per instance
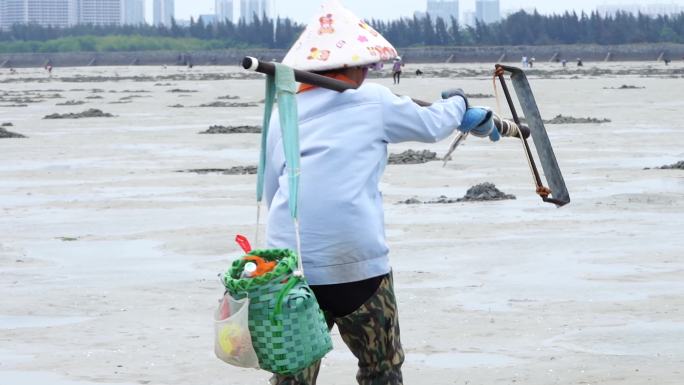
(261, 32)
(523, 28)
(518, 29)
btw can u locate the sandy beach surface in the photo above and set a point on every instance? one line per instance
(109, 256)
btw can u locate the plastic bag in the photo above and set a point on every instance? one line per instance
(232, 340)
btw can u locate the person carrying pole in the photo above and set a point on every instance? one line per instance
(343, 145)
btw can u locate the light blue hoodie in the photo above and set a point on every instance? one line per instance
(343, 143)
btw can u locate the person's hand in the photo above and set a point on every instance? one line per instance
(455, 92)
(479, 122)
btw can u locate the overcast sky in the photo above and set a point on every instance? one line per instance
(302, 10)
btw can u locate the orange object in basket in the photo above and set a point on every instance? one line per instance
(263, 266)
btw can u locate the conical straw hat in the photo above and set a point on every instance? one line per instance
(336, 38)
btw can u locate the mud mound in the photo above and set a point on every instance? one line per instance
(411, 201)
(7, 124)
(181, 91)
(484, 192)
(228, 97)
(233, 130)
(412, 157)
(49, 96)
(624, 87)
(238, 170)
(91, 113)
(227, 104)
(21, 100)
(560, 119)
(4, 134)
(71, 103)
(677, 166)
(177, 106)
(131, 97)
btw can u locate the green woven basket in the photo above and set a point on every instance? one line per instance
(288, 328)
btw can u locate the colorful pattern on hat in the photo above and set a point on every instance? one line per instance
(336, 38)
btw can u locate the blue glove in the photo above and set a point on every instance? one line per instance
(479, 122)
(455, 92)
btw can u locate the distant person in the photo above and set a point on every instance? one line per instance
(419, 73)
(48, 68)
(524, 62)
(564, 63)
(396, 69)
(377, 66)
(579, 62)
(667, 62)
(532, 62)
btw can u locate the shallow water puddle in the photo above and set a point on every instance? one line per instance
(638, 338)
(18, 322)
(9, 357)
(444, 360)
(33, 378)
(452, 360)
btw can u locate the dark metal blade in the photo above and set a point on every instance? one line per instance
(547, 157)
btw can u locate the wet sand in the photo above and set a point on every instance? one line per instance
(109, 256)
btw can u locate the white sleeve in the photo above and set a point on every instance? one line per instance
(405, 121)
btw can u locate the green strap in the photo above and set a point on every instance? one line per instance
(281, 298)
(284, 86)
(268, 110)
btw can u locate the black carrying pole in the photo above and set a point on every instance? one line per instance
(252, 64)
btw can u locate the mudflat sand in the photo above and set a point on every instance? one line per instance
(109, 257)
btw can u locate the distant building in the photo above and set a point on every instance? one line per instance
(183, 22)
(207, 19)
(446, 9)
(224, 10)
(249, 8)
(99, 12)
(510, 11)
(55, 13)
(648, 9)
(468, 19)
(662, 9)
(487, 11)
(133, 12)
(164, 11)
(12, 12)
(611, 10)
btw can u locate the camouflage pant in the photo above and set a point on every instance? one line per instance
(372, 335)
